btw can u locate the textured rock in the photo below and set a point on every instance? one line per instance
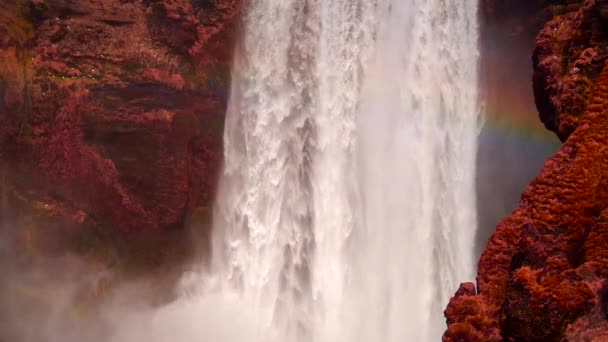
(111, 115)
(111, 111)
(568, 58)
(544, 273)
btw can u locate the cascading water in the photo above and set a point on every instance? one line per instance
(346, 210)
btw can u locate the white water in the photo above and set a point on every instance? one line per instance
(346, 210)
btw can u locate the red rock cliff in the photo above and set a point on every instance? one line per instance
(544, 273)
(111, 112)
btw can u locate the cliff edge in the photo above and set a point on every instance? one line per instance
(543, 275)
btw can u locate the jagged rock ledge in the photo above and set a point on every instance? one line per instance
(544, 273)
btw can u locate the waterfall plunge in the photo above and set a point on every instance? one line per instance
(346, 210)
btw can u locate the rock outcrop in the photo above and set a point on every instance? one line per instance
(111, 113)
(544, 273)
(569, 56)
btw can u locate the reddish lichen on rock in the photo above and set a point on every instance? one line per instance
(544, 273)
(569, 55)
(114, 109)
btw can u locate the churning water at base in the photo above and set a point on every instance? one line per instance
(346, 210)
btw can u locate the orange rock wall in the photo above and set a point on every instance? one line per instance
(544, 273)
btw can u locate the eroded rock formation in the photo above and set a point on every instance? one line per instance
(544, 273)
(569, 56)
(111, 113)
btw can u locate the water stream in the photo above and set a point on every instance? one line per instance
(346, 210)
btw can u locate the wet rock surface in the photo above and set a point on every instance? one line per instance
(544, 273)
(568, 58)
(115, 108)
(111, 120)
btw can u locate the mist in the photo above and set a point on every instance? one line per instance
(513, 143)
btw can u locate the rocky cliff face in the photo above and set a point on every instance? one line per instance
(544, 273)
(569, 57)
(111, 114)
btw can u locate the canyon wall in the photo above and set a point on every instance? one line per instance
(111, 113)
(543, 275)
(111, 121)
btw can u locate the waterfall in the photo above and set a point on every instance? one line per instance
(346, 208)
